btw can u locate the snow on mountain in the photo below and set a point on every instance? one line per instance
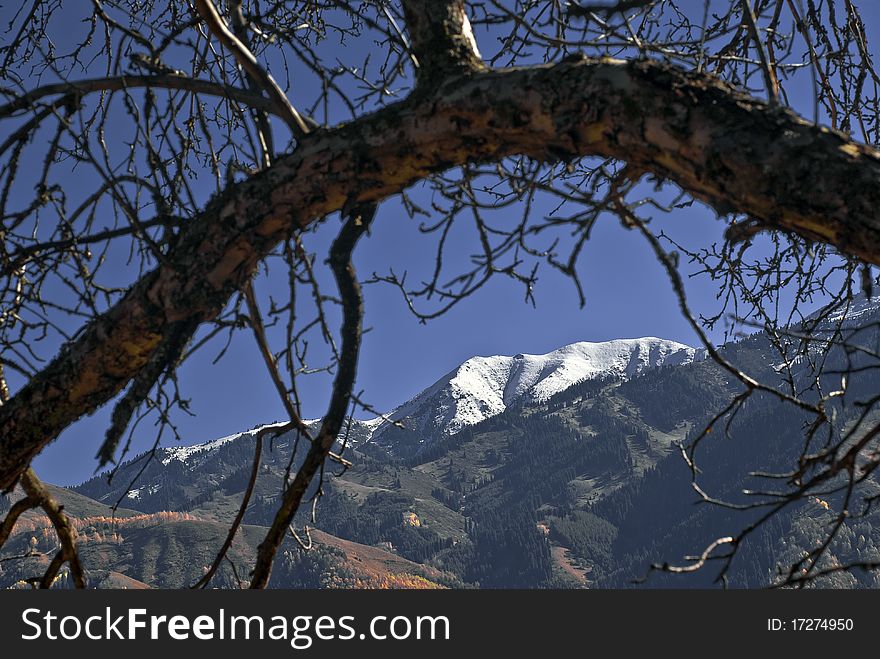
(855, 312)
(856, 319)
(184, 453)
(483, 387)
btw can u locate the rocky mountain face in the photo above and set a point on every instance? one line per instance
(484, 387)
(524, 471)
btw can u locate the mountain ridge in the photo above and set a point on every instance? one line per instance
(583, 489)
(483, 387)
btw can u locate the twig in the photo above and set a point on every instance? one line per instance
(79, 88)
(249, 63)
(245, 501)
(769, 76)
(357, 223)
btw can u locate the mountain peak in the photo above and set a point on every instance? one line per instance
(483, 387)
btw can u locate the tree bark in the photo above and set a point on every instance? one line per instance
(443, 42)
(722, 146)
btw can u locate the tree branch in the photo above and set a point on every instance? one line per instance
(358, 222)
(245, 501)
(116, 83)
(770, 81)
(442, 39)
(37, 493)
(163, 360)
(264, 127)
(249, 63)
(723, 147)
(18, 509)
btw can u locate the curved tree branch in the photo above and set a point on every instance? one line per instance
(80, 88)
(18, 509)
(39, 495)
(357, 223)
(245, 500)
(249, 63)
(725, 148)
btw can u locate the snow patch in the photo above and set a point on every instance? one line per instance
(136, 493)
(184, 453)
(483, 387)
(861, 306)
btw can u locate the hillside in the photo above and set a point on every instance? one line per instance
(172, 550)
(580, 488)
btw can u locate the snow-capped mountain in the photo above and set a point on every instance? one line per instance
(483, 387)
(854, 313)
(193, 455)
(186, 453)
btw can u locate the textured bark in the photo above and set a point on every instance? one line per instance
(442, 39)
(725, 148)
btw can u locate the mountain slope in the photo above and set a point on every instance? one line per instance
(173, 550)
(483, 387)
(573, 485)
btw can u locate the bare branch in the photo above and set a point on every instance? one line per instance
(77, 89)
(494, 116)
(37, 492)
(358, 222)
(245, 502)
(249, 63)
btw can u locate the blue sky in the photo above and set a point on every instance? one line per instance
(627, 295)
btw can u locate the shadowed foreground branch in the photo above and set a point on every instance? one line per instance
(722, 146)
(359, 220)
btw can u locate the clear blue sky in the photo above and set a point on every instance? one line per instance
(628, 295)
